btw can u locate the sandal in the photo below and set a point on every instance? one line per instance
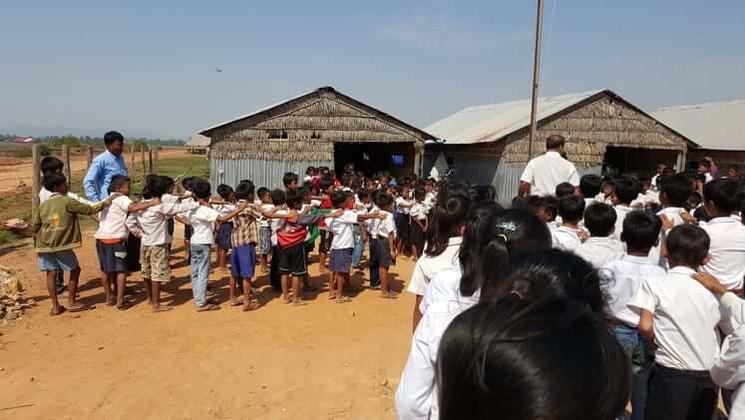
(235, 302)
(208, 307)
(344, 299)
(79, 307)
(162, 308)
(252, 305)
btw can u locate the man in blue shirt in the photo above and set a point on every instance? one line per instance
(104, 167)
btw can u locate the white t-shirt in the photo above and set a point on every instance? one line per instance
(545, 172)
(418, 211)
(265, 208)
(621, 211)
(729, 366)
(430, 265)
(621, 280)
(342, 228)
(566, 238)
(727, 251)
(430, 199)
(372, 224)
(599, 251)
(403, 205)
(202, 221)
(274, 224)
(386, 226)
(113, 219)
(44, 195)
(672, 213)
(445, 286)
(685, 319)
(152, 221)
(224, 209)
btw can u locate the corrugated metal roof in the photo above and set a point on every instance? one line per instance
(486, 123)
(718, 125)
(198, 140)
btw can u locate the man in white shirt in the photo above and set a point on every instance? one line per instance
(544, 173)
(600, 248)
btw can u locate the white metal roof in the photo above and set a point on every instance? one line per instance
(718, 125)
(198, 140)
(486, 123)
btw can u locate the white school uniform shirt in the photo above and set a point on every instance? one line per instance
(729, 366)
(727, 251)
(545, 172)
(274, 224)
(600, 250)
(400, 201)
(416, 396)
(686, 316)
(672, 213)
(152, 220)
(430, 265)
(621, 280)
(566, 238)
(224, 209)
(387, 226)
(44, 195)
(113, 220)
(429, 201)
(372, 224)
(342, 228)
(265, 208)
(622, 210)
(202, 221)
(418, 211)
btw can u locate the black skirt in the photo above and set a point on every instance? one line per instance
(402, 226)
(416, 233)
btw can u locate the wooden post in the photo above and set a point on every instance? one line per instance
(536, 76)
(149, 160)
(156, 154)
(89, 157)
(144, 162)
(35, 178)
(132, 157)
(66, 161)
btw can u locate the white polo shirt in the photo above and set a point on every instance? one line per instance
(621, 280)
(729, 366)
(600, 250)
(113, 219)
(152, 221)
(672, 213)
(545, 172)
(429, 265)
(621, 211)
(342, 228)
(202, 221)
(566, 238)
(387, 226)
(418, 211)
(686, 316)
(727, 251)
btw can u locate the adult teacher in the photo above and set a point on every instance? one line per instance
(104, 167)
(545, 172)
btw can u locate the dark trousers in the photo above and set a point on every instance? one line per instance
(680, 395)
(374, 262)
(275, 278)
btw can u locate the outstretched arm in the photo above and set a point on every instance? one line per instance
(89, 182)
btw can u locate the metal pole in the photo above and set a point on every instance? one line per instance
(66, 161)
(536, 74)
(35, 178)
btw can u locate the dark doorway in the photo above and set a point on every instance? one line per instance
(640, 162)
(398, 158)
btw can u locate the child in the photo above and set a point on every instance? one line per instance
(202, 219)
(622, 278)
(418, 223)
(567, 236)
(386, 243)
(600, 248)
(681, 317)
(402, 219)
(57, 230)
(704, 168)
(625, 192)
(727, 251)
(156, 238)
(111, 238)
(265, 234)
(291, 236)
(589, 187)
(244, 238)
(362, 206)
(372, 225)
(225, 230)
(565, 189)
(290, 181)
(278, 205)
(186, 186)
(324, 245)
(548, 210)
(674, 192)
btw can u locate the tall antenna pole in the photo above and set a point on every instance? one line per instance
(536, 74)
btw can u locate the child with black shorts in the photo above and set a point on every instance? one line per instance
(402, 219)
(386, 243)
(224, 232)
(418, 225)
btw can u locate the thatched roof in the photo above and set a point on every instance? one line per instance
(198, 140)
(715, 126)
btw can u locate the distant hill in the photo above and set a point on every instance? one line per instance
(52, 131)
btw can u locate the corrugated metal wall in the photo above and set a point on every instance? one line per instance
(263, 173)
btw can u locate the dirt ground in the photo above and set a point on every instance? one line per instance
(319, 361)
(15, 171)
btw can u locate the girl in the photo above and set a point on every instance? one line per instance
(403, 207)
(418, 223)
(224, 206)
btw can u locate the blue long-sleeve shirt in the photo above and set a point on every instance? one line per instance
(103, 168)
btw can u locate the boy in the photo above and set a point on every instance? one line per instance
(704, 168)
(681, 317)
(548, 208)
(567, 236)
(622, 278)
(362, 207)
(202, 219)
(403, 221)
(626, 191)
(290, 181)
(589, 187)
(111, 238)
(674, 193)
(245, 236)
(278, 204)
(600, 248)
(57, 230)
(372, 225)
(265, 234)
(386, 243)
(565, 189)
(156, 237)
(224, 206)
(291, 240)
(727, 251)
(324, 245)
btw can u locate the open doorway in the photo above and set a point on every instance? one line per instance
(640, 162)
(398, 158)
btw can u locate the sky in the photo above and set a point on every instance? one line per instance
(151, 66)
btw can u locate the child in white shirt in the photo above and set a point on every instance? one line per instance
(625, 192)
(681, 317)
(224, 206)
(386, 243)
(567, 237)
(402, 219)
(265, 233)
(418, 226)
(600, 248)
(674, 193)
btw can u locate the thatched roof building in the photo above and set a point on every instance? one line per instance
(320, 128)
(489, 144)
(198, 144)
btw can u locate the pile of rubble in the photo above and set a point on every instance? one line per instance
(12, 303)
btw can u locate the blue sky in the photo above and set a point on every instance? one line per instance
(149, 66)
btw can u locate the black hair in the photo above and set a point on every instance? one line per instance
(550, 204)
(485, 193)
(723, 194)
(186, 182)
(112, 137)
(688, 245)
(491, 235)
(117, 181)
(362, 194)
(554, 141)
(447, 218)
(693, 201)
(263, 191)
(705, 163)
(627, 189)
(338, 198)
(53, 180)
(571, 208)
(677, 188)
(278, 197)
(419, 194)
(309, 170)
(325, 183)
(224, 191)
(244, 191)
(384, 200)
(641, 231)
(564, 189)
(521, 359)
(600, 219)
(157, 186)
(50, 164)
(201, 189)
(293, 199)
(590, 185)
(289, 178)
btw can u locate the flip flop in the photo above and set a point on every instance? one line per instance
(389, 296)
(163, 309)
(251, 306)
(344, 299)
(208, 307)
(80, 308)
(235, 302)
(299, 303)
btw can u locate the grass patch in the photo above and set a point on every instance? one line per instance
(7, 237)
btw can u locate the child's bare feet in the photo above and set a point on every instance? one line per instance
(57, 310)
(251, 305)
(110, 302)
(77, 307)
(389, 295)
(162, 308)
(344, 299)
(235, 302)
(299, 303)
(332, 295)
